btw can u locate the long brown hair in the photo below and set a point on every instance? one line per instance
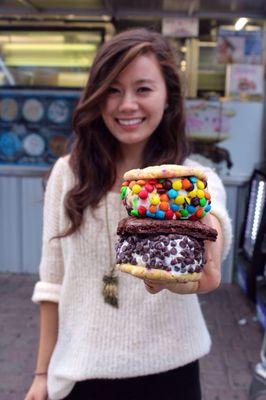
(95, 150)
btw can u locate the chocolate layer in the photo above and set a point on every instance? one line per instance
(138, 226)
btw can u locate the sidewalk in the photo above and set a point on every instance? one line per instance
(226, 371)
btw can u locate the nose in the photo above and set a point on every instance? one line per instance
(128, 103)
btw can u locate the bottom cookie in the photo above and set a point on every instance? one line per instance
(156, 274)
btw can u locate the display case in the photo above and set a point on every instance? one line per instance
(34, 127)
(47, 57)
(42, 71)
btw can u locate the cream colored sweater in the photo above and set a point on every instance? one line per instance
(147, 334)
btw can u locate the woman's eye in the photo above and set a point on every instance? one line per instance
(112, 90)
(144, 89)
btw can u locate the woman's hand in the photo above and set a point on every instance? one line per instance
(38, 389)
(211, 274)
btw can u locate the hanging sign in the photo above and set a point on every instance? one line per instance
(180, 27)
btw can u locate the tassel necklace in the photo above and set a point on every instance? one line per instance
(110, 280)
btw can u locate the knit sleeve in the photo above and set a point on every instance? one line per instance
(218, 198)
(51, 267)
(218, 204)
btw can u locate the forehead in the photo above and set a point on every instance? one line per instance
(145, 67)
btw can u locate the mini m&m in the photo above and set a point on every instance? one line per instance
(176, 198)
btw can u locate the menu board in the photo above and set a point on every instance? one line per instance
(34, 126)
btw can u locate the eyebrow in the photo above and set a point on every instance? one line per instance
(139, 81)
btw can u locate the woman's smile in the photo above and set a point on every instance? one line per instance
(130, 123)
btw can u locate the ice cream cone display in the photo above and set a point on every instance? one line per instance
(163, 237)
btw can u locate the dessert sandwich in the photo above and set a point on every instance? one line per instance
(163, 237)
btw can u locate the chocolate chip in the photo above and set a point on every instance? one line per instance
(182, 244)
(190, 270)
(173, 251)
(158, 246)
(166, 241)
(173, 243)
(145, 258)
(177, 269)
(173, 261)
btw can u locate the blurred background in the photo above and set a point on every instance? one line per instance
(46, 50)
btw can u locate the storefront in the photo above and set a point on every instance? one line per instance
(45, 58)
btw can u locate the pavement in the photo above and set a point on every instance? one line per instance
(226, 373)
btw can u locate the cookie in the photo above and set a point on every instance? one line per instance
(163, 171)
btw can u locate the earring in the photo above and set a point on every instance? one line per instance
(166, 106)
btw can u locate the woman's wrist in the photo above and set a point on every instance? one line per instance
(40, 373)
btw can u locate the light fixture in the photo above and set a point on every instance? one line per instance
(240, 23)
(72, 47)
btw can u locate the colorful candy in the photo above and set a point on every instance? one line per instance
(176, 198)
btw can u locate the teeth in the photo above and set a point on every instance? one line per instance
(130, 121)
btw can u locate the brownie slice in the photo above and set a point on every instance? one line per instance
(140, 226)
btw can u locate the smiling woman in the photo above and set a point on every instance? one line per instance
(104, 340)
(136, 102)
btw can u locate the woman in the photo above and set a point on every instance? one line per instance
(100, 336)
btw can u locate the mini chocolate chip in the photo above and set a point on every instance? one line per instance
(173, 243)
(145, 258)
(167, 253)
(190, 270)
(173, 261)
(177, 269)
(182, 244)
(166, 241)
(173, 251)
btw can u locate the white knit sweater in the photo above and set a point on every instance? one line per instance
(147, 334)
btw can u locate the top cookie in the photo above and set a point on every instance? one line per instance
(163, 171)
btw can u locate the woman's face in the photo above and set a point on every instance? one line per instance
(136, 101)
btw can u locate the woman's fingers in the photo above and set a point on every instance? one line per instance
(153, 287)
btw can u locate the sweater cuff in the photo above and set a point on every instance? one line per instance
(221, 214)
(46, 291)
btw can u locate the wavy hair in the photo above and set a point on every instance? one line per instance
(95, 151)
